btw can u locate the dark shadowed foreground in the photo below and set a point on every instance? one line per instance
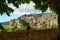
(48, 34)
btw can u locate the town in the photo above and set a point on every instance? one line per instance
(35, 21)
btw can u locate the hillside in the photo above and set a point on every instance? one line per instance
(5, 23)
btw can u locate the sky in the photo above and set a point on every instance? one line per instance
(23, 9)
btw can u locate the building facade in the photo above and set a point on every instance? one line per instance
(36, 21)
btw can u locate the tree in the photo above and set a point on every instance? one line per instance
(25, 24)
(2, 28)
(4, 5)
(54, 6)
(42, 5)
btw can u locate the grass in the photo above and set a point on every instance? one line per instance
(53, 26)
(10, 28)
(13, 28)
(7, 28)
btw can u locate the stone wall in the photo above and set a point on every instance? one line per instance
(15, 22)
(48, 34)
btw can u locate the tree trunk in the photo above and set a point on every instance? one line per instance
(58, 37)
(58, 12)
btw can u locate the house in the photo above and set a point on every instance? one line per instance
(37, 21)
(15, 22)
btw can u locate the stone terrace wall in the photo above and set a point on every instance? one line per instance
(49, 34)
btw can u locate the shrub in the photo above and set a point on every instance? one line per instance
(33, 28)
(24, 28)
(44, 26)
(6, 27)
(0, 30)
(23, 22)
(9, 28)
(54, 26)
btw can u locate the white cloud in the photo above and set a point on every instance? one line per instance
(27, 6)
(25, 9)
(12, 6)
(21, 13)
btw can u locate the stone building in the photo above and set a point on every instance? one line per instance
(34, 20)
(15, 22)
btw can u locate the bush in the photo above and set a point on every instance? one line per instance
(24, 28)
(12, 28)
(9, 28)
(6, 27)
(44, 26)
(33, 28)
(54, 26)
(0, 30)
(23, 22)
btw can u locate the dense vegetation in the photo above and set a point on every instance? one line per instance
(23, 22)
(7, 28)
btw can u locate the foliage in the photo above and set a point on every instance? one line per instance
(39, 4)
(42, 5)
(16, 29)
(5, 9)
(12, 28)
(54, 26)
(9, 28)
(4, 5)
(44, 26)
(23, 22)
(24, 28)
(0, 30)
(57, 17)
(33, 28)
